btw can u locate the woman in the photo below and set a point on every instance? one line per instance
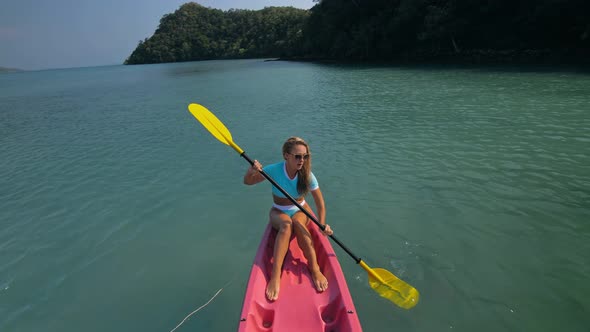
(295, 177)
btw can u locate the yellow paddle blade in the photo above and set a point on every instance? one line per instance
(212, 123)
(393, 288)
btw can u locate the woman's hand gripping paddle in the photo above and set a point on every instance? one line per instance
(382, 281)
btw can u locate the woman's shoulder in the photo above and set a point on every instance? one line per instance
(274, 166)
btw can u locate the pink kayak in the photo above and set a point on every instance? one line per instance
(299, 306)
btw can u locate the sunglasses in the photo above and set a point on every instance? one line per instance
(300, 156)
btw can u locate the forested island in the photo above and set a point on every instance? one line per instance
(483, 31)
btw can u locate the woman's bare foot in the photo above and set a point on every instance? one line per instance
(272, 289)
(319, 280)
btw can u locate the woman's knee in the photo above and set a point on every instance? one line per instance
(299, 220)
(286, 226)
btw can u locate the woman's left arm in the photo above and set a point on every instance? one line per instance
(321, 207)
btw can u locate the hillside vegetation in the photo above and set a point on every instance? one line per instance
(377, 30)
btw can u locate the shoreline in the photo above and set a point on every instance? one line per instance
(468, 57)
(577, 60)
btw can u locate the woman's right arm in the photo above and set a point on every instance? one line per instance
(253, 175)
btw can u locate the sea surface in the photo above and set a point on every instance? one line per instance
(120, 212)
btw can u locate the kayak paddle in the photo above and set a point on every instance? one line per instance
(382, 281)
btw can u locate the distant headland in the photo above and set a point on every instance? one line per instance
(9, 70)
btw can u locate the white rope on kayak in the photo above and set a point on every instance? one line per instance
(201, 307)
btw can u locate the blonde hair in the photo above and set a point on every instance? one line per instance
(304, 178)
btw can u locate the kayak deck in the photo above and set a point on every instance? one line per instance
(300, 307)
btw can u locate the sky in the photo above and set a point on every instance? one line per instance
(46, 34)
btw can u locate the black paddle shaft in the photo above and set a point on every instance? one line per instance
(313, 218)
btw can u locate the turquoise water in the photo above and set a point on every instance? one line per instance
(119, 212)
